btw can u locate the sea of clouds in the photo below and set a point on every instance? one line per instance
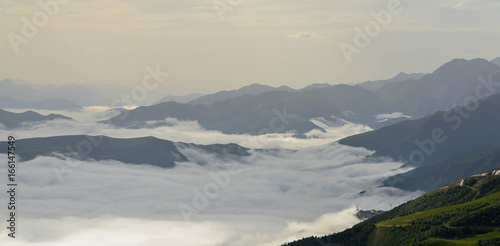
(262, 199)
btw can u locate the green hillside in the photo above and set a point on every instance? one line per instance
(465, 212)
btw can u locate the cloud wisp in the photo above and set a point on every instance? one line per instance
(180, 131)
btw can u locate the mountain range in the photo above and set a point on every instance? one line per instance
(72, 93)
(440, 90)
(443, 124)
(10, 103)
(21, 94)
(143, 150)
(272, 111)
(179, 99)
(13, 120)
(378, 84)
(436, 140)
(461, 165)
(252, 89)
(252, 109)
(416, 94)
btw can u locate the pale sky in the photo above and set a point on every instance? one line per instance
(292, 43)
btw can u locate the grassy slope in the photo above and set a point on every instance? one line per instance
(452, 210)
(461, 224)
(380, 236)
(461, 213)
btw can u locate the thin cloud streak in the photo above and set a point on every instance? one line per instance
(179, 131)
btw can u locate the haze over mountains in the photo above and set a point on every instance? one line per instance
(12, 120)
(11, 103)
(253, 89)
(377, 84)
(179, 99)
(259, 109)
(72, 93)
(254, 114)
(248, 111)
(464, 130)
(429, 129)
(431, 143)
(440, 90)
(415, 94)
(20, 94)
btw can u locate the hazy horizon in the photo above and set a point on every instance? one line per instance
(111, 42)
(103, 143)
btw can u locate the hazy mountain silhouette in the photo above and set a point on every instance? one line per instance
(265, 112)
(496, 61)
(13, 120)
(252, 89)
(377, 84)
(73, 93)
(143, 150)
(138, 116)
(180, 99)
(440, 90)
(7, 102)
(462, 165)
(445, 146)
(466, 131)
(252, 108)
(315, 86)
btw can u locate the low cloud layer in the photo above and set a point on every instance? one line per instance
(179, 131)
(110, 230)
(264, 200)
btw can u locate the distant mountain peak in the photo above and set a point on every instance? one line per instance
(252, 89)
(401, 75)
(459, 64)
(316, 86)
(255, 85)
(12, 120)
(496, 61)
(285, 88)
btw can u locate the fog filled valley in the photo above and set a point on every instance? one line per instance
(249, 123)
(284, 188)
(260, 165)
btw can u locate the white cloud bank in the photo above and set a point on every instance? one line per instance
(267, 200)
(179, 131)
(270, 200)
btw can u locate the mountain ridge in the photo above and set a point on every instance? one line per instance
(153, 151)
(431, 143)
(265, 112)
(251, 89)
(12, 120)
(439, 90)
